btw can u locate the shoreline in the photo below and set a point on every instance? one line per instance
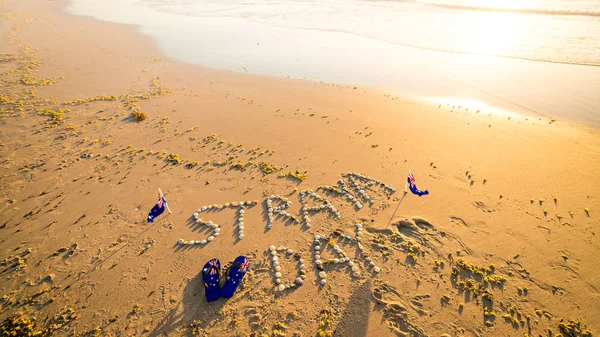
(521, 86)
(77, 185)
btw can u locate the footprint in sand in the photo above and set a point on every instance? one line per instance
(395, 312)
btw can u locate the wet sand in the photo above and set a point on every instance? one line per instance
(504, 244)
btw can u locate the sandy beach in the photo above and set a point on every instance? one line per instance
(505, 244)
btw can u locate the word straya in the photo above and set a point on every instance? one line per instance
(357, 183)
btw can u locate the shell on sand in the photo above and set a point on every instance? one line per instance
(281, 287)
(323, 282)
(322, 274)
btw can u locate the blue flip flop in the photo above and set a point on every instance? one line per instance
(211, 275)
(235, 274)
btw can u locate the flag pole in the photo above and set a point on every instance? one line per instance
(399, 202)
(160, 193)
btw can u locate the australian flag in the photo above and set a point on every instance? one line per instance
(158, 209)
(413, 186)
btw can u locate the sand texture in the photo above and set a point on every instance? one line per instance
(505, 244)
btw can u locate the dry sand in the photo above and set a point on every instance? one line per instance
(503, 245)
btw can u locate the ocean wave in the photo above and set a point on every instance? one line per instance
(525, 10)
(266, 15)
(589, 63)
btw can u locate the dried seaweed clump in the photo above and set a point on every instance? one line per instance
(192, 164)
(295, 175)
(174, 158)
(31, 80)
(20, 325)
(486, 274)
(325, 324)
(239, 166)
(267, 168)
(210, 139)
(139, 116)
(56, 116)
(574, 329)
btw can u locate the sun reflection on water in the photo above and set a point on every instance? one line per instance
(475, 107)
(492, 33)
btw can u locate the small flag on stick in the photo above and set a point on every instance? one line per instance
(413, 187)
(158, 209)
(160, 193)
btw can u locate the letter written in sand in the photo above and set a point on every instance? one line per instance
(326, 206)
(240, 210)
(279, 255)
(337, 242)
(359, 189)
(279, 211)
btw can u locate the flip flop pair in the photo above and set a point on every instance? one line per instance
(211, 274)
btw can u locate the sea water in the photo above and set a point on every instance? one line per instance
(539, 57)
